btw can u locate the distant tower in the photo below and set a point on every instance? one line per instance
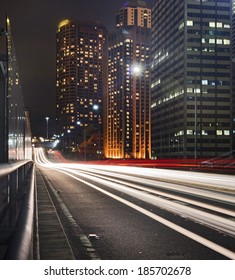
(80, 79)
(127, 133)
(134, 13)
(191, 78)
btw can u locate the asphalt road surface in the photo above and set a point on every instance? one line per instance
(140, 213)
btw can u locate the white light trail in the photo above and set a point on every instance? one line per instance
(209, 244)
(137, 190)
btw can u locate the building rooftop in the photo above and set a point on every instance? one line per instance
(135, 3)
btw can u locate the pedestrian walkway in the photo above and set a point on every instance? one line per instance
(52, 241)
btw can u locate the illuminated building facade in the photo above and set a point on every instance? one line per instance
(233, 72)
(127, 123)
(80, 84)
(191, 78)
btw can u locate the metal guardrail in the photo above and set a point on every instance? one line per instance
(16, 209)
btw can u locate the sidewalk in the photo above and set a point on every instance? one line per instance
(52, 243)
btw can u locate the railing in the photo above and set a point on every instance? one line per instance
(16, 210)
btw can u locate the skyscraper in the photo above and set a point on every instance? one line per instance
(127, 123)
(191, 78)
(233, 73)
(80, 85)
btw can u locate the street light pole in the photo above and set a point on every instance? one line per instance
(195, 116)
(47, 119)
(195, 123)
(96, 108)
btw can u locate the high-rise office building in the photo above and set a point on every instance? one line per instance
(127, 133)
(233, 74)
(191, 78)
(80, 84)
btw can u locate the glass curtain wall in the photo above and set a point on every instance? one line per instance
(19, 135)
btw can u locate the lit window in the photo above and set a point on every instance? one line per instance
(181, 25)
(212, 24)
(226, 42)
(204, 132)
(189, 90)
(226, 25)
(219, 24)
(219, 132)
(189, 23)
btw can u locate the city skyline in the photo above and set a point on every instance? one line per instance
(142, 164)
(198, 101)
(33, 26)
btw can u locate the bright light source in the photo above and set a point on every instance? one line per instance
(56, 142)
(136, 69)
(95, 107)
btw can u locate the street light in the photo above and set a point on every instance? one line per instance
(195, 122)
(137, 69)
(47, 119)
(79, 123)
(196, 91)
(96, 108)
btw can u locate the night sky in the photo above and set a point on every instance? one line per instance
(34, 24)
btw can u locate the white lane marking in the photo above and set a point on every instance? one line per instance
(215, 247)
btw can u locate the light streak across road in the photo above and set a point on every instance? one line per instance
(183, 195)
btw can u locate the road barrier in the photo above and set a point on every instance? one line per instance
(16, 210)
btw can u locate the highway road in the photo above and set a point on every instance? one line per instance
(143, 213)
